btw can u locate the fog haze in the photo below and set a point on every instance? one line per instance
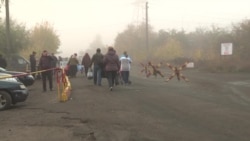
(78, 22)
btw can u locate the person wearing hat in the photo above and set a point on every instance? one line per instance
(33, 63)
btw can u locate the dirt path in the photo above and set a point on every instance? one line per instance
(212, 107)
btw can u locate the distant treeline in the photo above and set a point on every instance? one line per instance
(23, 41)
(203, 46)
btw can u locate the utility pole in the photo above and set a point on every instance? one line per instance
(147, 48)
(7, 18)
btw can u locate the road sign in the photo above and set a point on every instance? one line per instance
(226, 49)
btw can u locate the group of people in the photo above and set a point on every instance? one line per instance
(107, 65)
(47, 64)
(110, 66)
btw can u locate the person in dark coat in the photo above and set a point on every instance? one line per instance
(55, 60)
(45, 63)
(3, 62)
(33, 63)
(97, 60)
(54, 63)
(112, 65)
(86, 61)
(73, 62)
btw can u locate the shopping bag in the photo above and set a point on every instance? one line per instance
(90, 74)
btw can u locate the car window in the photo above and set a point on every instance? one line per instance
(21, 61)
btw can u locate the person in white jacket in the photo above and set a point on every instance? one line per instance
(125, 61)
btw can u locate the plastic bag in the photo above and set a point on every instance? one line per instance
(90, 74)
(80, 68)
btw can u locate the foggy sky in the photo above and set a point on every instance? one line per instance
(77, 22)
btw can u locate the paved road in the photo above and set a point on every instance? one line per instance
(211, 107)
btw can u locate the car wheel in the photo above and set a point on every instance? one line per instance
(5, 100)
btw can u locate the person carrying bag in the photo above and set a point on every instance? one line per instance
(90, 74)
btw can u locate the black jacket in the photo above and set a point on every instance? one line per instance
(97, 59)
(32, 61)
(45, 62)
